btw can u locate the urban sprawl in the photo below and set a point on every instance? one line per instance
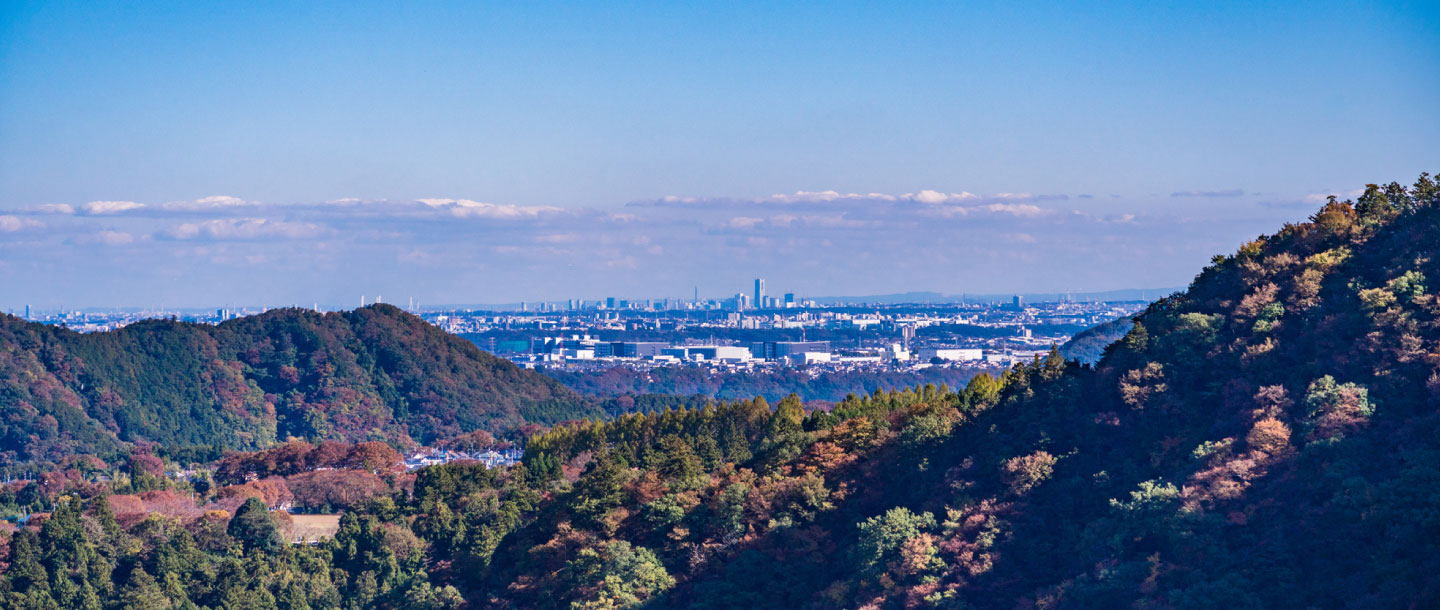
(747, 331)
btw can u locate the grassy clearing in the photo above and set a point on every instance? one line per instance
(313, 528)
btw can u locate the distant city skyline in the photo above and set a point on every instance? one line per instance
(620, 302)
(482, 153)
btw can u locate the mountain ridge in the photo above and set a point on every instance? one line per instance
(1265, 438)
(375, 373)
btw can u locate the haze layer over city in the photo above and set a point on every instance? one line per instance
(175, 157)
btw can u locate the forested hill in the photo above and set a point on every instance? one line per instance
(375, 373)
(1269, 438)
(1089, 345)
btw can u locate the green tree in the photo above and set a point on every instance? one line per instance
(620, 575)
(674, 459)
(141, 593)
(253, 526)
(882, 536)
(789, 414)
(1334, 409)
(598, 490)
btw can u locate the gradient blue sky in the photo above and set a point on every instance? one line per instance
(639, 149)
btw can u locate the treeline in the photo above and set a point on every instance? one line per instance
(297, 457)
(640, 508)
(81, 557)
(296, 475)
(457, 531)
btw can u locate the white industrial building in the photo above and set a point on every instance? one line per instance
(950, 354)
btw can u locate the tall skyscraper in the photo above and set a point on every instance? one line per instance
(759, 292)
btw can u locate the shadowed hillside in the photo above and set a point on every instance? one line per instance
(1089, 345)
(1267, 438)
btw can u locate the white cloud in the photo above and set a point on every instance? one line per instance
(213, 201)
(1025, 210)
(744, 222)
(466, 208)
(220, 200)
(54, 208)
(931, 197)
(1017, 209)
(245, 229)
(826, 196)
(11, 224)
(936, 197)
(110, 207)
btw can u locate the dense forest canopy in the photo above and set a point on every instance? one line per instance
(1268, 438)
(375, 373)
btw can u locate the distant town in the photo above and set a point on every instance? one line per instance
(752, 330)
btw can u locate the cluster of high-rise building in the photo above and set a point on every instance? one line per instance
(751, 329)
(741, 301)
(903, 335)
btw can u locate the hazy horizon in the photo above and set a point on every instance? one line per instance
(460, 153)
(921, 297)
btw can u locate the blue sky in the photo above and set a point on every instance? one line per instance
(640, 149)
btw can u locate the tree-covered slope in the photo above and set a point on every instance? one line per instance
(374, 373)
(1268, 438)
(1089, 345)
